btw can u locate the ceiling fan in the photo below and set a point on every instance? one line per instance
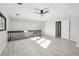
(42, 11)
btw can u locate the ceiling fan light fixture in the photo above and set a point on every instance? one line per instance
(17, 14)
(42, 11)
(41, 15)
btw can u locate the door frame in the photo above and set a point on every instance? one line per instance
(61, 29)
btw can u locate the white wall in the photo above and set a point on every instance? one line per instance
(50, 27)
(3, 40)
(3, 34)
(70, 11)
(16, 24)
(75, 29)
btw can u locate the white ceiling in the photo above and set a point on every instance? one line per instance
(26, 11)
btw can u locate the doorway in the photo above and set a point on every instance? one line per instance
(58, 29)
(62, 29)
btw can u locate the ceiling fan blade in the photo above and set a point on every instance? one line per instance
(46, 12)
(37, 12)
(37, 9)
(46, 8)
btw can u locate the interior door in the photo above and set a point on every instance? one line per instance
(58, 28)
(65, 29)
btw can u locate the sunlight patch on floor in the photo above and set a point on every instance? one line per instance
(42, 41)
(35, 38)
(45, 44)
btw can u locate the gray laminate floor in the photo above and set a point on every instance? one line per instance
(44, 47)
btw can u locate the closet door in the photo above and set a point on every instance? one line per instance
(65, 29)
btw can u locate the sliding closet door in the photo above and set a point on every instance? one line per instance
(65, 29)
